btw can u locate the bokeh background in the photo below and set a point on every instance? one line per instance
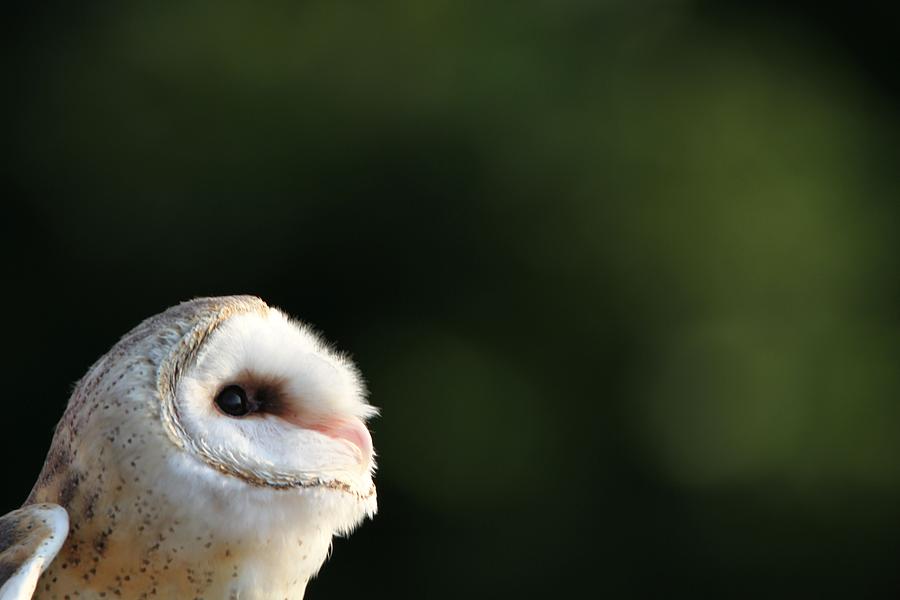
(623, 276)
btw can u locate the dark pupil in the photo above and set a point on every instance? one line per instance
(233, 401)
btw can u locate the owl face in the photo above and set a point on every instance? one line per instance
(265, 394)
(265, 415)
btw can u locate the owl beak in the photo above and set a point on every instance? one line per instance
(349, 429)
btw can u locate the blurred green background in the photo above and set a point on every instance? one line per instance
(623, 276)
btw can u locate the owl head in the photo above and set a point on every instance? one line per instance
(243, 419)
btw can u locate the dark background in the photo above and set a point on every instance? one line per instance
(623, 276)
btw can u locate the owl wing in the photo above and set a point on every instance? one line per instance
(29, 539)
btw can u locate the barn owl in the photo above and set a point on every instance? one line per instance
(213, 452)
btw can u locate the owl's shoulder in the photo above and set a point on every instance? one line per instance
(30, 538)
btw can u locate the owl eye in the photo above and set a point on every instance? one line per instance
(233, 401)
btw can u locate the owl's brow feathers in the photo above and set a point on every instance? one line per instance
(180, 359)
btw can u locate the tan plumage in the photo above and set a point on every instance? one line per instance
(169, 496)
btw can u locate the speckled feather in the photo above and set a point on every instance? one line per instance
(167, 498)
